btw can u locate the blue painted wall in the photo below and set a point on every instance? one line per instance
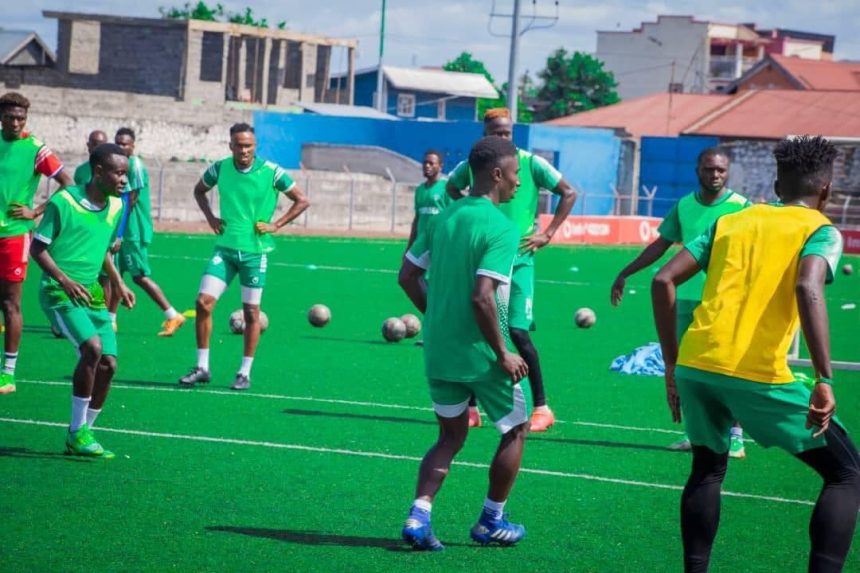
(280, 136)
(456, 109)
(670, 164)
(588, 159)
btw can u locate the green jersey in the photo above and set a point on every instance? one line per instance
(78, 235)
(22, 162)
(535, 174)
(83, 174)
(245, 199)
(139, 227)
(688, 219)
(470, 238)
(429, 202)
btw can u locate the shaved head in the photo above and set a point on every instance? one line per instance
(95, 139)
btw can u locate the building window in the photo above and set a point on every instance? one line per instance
(211, 57)
(440, 109)
(406, 105)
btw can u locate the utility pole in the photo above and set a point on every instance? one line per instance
(534, 22)
(381, 104)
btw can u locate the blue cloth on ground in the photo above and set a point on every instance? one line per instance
(645, 361)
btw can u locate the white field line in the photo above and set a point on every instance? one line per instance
(233, 393)
(382, 455)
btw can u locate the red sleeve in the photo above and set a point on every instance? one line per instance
(47, 163)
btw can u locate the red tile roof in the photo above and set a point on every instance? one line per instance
(648, 115)
(773, 114)
(821, 74)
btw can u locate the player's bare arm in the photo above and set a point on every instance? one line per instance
(299, 206)
(200, 191)
(453, 191)
(486, 315)
(677, 271)
(814, 321)
(411, 280)
(646, 258)
(127, 297)
(75, 291)
(568, 198)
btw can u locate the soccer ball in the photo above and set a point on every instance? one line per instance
(319, 315)
(237, 321)
(412, 323)
(847, 269)
(585, 318)
(393, 329)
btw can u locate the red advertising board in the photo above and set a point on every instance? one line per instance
(604, 230)
(852, 242)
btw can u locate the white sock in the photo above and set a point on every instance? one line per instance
(203, 358)
(494, 508)
(92, 414)
(543, 408)
(112, 316)
(9, 363)
(423, 504)
(79, 413)
(737, 432)
(170, 313)
(245, 369)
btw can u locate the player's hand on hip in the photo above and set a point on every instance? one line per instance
(127, 297)
(265, 228)
(617, 292)
(822, 406)
(217, 226)
(534, 242)
(18, 211)
(672, 397)
(77, 292)
(514, 365)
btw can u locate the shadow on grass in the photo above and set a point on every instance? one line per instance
(601, 444)
(351, 416)
(25, 453)
(318, 538)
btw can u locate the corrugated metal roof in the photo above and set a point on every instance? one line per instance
(11, 42)
(821, 74)
(440, 81)
(648, 115)
(774, 114)
(344, 110)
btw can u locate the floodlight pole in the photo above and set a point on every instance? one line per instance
(512, 62)
(381, 104)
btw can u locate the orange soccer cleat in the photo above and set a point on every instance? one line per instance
(541, 420)
(171, 325)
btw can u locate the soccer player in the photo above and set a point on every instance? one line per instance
(691, 216)
(472, 246)
(23, 160)
(766, 270)
(134, 250)
(84, 172)
(535, 173)
(248, 195)
(71, 245)
(430, 196)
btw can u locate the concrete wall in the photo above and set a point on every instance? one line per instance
(641, 60)
(165, 128)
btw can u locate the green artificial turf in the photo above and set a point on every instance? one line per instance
(313, 469)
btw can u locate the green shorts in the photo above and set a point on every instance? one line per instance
(773, 414)
(133, 258)
(226, 263)
(684, 316)
(521, 303)
(507, 405)
(80, 323)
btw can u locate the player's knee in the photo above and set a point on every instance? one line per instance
(107, 364)
(139, 280)
(10, 306)
(205, 303)
(91, 350)
(708, 466)
(252, 314)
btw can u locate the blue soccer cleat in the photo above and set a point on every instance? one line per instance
(490, 530)
(418, 533)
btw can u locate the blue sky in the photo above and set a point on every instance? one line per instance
(430, 33)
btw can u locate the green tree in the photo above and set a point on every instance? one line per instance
(574, 83)
(217, 13)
